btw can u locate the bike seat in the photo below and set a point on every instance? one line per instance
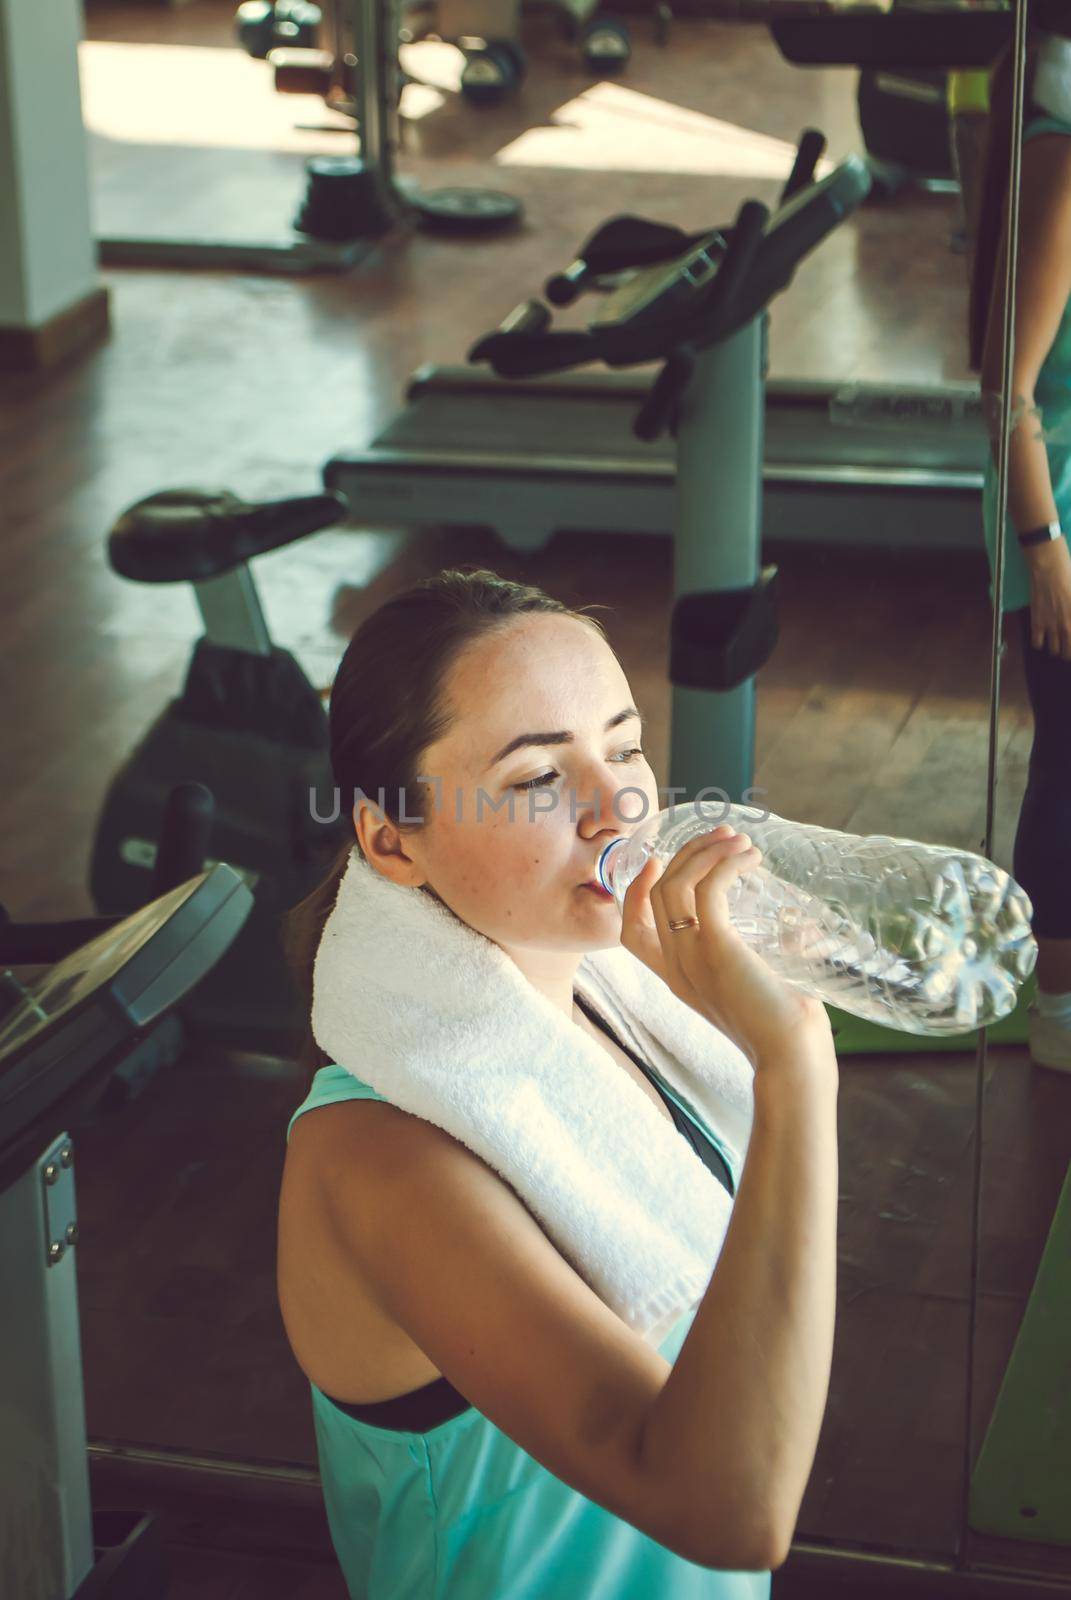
(184, 535)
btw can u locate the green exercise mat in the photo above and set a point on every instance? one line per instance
(1021, 1486)
(852, 1036)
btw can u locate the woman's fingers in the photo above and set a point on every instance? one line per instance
(639, 931)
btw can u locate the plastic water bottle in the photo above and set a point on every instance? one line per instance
(913, 936)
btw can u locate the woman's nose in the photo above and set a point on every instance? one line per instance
(616, 797)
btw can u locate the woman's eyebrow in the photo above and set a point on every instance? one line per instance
(560, 737)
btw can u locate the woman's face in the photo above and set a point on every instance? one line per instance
(508, 855)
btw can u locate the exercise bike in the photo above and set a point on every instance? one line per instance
(250, 726)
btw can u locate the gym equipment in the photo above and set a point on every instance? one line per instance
(263, 26)
(842, 463)
(903, 118)
(485, 31)
(350, 201)
(488, 32)
(340, 198)
(358, 197)
(493, 69)
(250, 726)
(861, 464)
(903, 56)
(696, 304)
(62, 1036)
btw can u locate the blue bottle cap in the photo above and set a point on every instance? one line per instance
(603, 859)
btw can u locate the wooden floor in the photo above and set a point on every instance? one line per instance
(872, 717)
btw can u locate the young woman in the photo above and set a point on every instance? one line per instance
(487, 1427)
(1037, 572)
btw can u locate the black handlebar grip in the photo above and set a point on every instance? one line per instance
(565, 287)
(531, 316)
(811, 148)
(657, 410)
(744, 240)
(184, 837)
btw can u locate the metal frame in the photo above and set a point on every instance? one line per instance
(42, 1399)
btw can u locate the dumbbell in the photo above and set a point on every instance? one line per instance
(262, 26)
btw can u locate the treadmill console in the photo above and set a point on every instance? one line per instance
(672, 290)
(97, 999)
(666, 290)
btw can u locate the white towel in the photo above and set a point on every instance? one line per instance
(440, 1021)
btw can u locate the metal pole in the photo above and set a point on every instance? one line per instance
(375, 35)
(716, 547)
(1006, 403)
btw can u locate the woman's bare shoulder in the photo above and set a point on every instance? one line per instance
(342, 1127)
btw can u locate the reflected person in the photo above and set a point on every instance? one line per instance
(1037, 572)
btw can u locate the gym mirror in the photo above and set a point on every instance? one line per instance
(1019, 1503)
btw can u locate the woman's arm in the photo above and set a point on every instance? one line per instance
(752, 1377)
(709, 1457)
(1042, 292)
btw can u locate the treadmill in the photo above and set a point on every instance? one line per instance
(843, 463)
(66, 1034)
(696, 304)
(839, 466)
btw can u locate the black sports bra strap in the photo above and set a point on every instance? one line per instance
(708, 1153)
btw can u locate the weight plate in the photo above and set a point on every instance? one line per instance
(466, 210)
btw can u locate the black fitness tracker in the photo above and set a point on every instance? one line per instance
(1043, 535)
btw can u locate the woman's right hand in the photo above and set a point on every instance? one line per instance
(710, 967)
(1050, 598)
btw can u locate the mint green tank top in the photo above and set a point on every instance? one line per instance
(1053, 398)
(461, 1512)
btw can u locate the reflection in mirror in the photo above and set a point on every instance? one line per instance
(872, 719)
(1019, 1507)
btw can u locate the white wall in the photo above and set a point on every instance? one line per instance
(47, 252)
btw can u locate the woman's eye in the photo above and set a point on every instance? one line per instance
(536, 783)
(545, 778)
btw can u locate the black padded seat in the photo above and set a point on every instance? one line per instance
(183, 535)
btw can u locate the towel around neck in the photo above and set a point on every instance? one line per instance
(440, 1021)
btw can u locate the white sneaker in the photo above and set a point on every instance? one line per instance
(1050, 1044)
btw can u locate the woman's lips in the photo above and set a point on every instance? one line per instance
(597, 888)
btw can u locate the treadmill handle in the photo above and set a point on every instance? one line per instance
(659, 409)
(526, 355)
(620, 245)
(531, 316)
(721, 315)
(811, 149)
(565, 287)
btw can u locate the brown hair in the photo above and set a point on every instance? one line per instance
(997, 173)
(388, 706)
